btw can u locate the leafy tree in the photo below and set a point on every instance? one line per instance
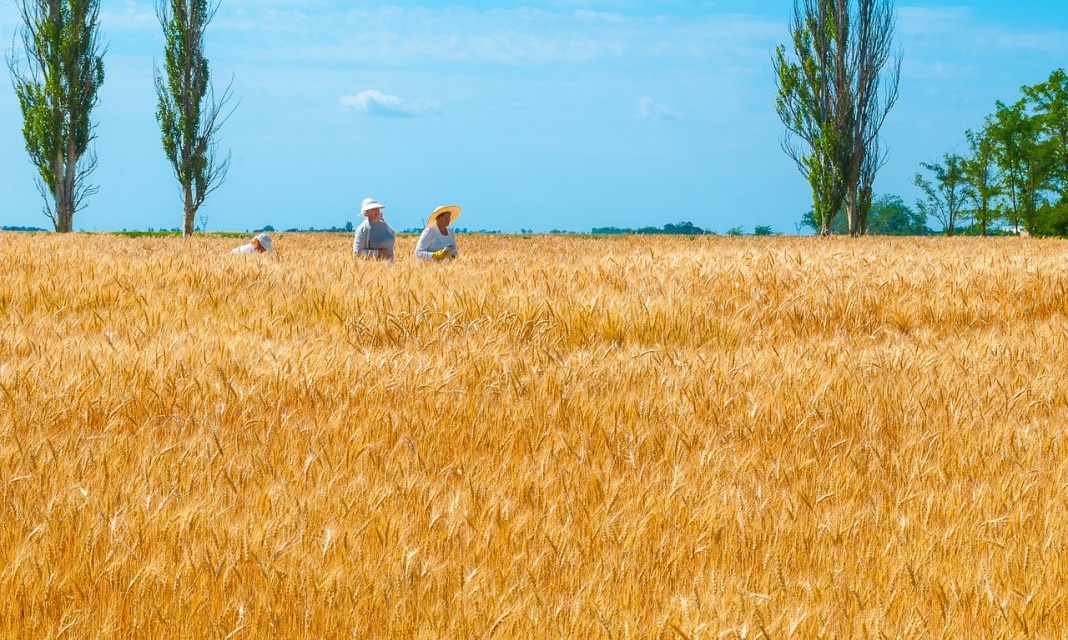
(839, 226)
(189, 115)
(1049, 103)
(833, 98)
(1024, 161)
(1055, 219)
(57, 89)
(890, 216)
(946, 196)
(762, 230)
(683, 228)
(875, 33)
(980, 175)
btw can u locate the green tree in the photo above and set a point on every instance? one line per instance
(980, 175)
(189, 115)
(839, 226)
(1049, 104)
(57, 87)
(1024, 160)
(890, 216)
(833, 96)
(947, 195)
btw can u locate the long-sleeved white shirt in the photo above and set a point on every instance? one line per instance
(432, 240)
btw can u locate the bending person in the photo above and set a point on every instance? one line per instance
(438, 242)
(374, 237)
(259, 244)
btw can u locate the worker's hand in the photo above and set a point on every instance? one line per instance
(441, 254)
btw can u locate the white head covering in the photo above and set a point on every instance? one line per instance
(370, 203)
(265, 242)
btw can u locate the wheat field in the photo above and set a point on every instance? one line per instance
(551, 437)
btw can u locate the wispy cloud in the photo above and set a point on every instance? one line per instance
(376, 103)
(957, 30)
(931, 21)
(131, 16)
(952, 44)
(398, 37)
(651, 109)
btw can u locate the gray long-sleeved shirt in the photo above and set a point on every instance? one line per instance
(372, 236)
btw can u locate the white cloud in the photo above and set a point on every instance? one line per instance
(131, 16)
(596, 16)
(376, 103)
(400, 37)
(649, 108)
(955, 30)
(930, 21)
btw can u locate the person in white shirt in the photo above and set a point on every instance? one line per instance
(259, 244)
(438, 242)
(374, 237)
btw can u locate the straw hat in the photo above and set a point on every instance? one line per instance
(454, 209)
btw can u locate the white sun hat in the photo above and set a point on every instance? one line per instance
(265, 242)
(371, 203)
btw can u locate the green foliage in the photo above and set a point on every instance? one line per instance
(1017, 163)
(762, 230)
(946, 196)
(681, 228)
(839, 225)
(889, 216)
(804, 105)
(1054, 219)
(23, 229)
(833, 97)
(1024, 158)
(1049, 104)
(57, 90)
(188, 116)
(980, 175)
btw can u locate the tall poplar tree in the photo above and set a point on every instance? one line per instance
(835, 88)
(189, 115)
(57, 85)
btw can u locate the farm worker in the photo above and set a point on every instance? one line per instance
(259, 244)
(437, 242)
(374, 237)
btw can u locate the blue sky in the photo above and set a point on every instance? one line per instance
(542, 115)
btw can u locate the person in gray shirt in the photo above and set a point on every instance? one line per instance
(374, 237)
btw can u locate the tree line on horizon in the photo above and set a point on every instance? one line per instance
(58, 82)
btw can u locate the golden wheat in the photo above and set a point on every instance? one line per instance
(550, 437)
